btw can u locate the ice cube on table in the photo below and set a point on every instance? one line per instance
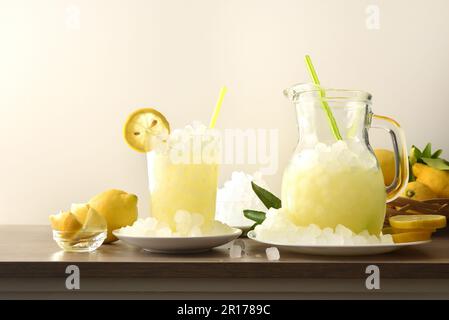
(235, 251)
(241, 243)
(272, 254)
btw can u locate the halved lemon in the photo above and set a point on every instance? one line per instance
(418, 221)
(143, 127)
(411, 236)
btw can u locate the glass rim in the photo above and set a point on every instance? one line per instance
(294, 93)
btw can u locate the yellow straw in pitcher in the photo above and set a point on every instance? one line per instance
(327, 109)
(213, 120)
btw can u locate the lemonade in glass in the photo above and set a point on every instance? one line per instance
(183, 174)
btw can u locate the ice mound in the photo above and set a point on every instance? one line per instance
(237, 195)
(277, 228)
(187, 225)
(340, 154)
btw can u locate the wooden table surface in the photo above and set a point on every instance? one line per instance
(29, 251)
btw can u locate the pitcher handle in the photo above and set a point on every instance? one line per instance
(400, 154)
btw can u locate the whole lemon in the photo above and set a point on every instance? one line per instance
(386, 163)
(436, 180)
(418, 191)
(117, 207)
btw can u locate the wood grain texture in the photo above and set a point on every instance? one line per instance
(29, 251)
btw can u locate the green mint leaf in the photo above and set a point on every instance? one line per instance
(267, 198)
(437, 154)
(415, 155)
(257, 216)
(439, 164)
(416, 151)
(427, 152)
(411, 177)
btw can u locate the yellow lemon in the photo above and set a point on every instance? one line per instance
(417, 191)
(117, 207)
(418, 221)
(386, 163)
(436, 180)
(144, 127)
(92, 221)
(411, 236)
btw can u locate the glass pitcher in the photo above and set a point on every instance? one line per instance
(334, 177)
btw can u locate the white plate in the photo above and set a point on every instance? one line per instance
(178, 244)
(355, 250)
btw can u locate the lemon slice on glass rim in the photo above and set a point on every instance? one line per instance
(144, 128)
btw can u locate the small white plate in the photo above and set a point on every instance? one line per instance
(355, 250)
(179, 244)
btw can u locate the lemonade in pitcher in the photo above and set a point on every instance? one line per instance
(333, 177)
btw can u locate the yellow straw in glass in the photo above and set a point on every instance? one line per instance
(213, 120)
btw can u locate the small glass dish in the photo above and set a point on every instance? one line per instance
(81, 241)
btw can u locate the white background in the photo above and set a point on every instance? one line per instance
(67, 84)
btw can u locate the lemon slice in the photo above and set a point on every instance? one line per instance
(65, 221)
(92, 221)
(143, 127)
(418, 221)
(398, 230)
(411, 236)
